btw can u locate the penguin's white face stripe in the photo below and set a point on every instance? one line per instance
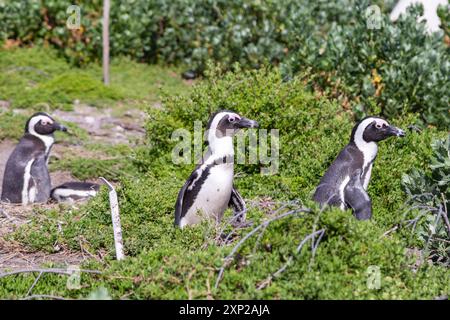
(369, 149)
(218, 117)
(48, 140)
(26, 182)
(359, 140)
(223, 145)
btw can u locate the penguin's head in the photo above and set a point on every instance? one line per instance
(374, 129)
(43, 124)
(226, 123)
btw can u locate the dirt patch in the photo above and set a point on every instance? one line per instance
(19, 258)
(13, 255)
(104, 126)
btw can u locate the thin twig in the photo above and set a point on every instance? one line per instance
(445, 214)
(43, 296)
(34, 283)
(299, 248)
(4, 213)
(277, 273)
(50, 270)
(284, 205)
(409, 222)
(251, 233)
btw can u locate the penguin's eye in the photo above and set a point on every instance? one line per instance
(44, 122)
(378, 126)
(232, 120)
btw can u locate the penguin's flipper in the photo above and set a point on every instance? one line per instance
(237, 203)
(186, 196)
(357, 198)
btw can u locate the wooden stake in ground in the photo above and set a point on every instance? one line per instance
(105, 29)
(114, 204)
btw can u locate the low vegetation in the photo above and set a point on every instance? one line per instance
(165, 262)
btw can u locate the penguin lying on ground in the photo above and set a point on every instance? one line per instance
(26, 179)
(74, 191)
(345, 182)
(209, 190)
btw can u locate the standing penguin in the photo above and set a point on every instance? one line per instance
(26, 179)
(209, 190)
(345, 182)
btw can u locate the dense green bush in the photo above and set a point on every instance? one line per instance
(398, 68)
(429, 194)
(444, 14)
(29, 81)
(249, 32)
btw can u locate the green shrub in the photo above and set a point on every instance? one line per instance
(249, 32)
(444, 14)
(398, 68)
(37, 79)
(429, 194)
(61, 92)
(308, 128)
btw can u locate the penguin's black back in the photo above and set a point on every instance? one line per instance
(346, 163)
(29, 147)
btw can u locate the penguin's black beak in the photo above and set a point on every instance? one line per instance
(60, 127)
(394, 131)
(246, 123)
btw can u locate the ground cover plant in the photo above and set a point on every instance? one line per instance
(165, 262)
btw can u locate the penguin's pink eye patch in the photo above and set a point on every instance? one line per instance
(45, 122)
(233, 119)
(380, 124)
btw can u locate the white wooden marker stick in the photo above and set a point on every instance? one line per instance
(114, 204)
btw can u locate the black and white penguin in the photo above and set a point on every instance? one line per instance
(74, 191)
(26, 179)
(209, 190)
(345, 182)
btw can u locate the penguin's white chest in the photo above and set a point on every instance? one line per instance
(215, 193)
(369, 153)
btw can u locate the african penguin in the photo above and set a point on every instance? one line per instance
(26, 179)
(74, 191)
(345, 182)
(209, 190)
